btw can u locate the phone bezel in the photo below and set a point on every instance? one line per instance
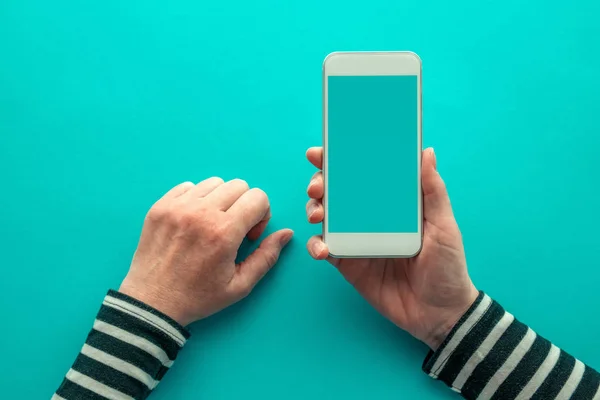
(358, 244)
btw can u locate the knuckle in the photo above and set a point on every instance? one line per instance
(219, 232)
(157, 213)
(221, 236)
(239, 287)
(241, 183)
(216, 179)
(186, 184)
(186, 220)
(260, 195)
(180, 189)
(243, 289)
(270, 258)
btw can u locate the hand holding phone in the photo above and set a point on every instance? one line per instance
(372, 135)
(424, 295)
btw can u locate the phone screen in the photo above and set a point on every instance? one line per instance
(372, 154)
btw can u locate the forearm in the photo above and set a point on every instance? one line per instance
(126, 354)
(491, 355)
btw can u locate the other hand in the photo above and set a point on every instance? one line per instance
(184, 265)
(425, 295)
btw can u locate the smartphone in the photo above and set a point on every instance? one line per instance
(372, 154)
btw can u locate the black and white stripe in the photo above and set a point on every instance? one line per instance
(128, 351)
(491, 355)
(488, 355)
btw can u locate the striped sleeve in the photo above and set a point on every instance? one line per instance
(129, 349)
(491, 355)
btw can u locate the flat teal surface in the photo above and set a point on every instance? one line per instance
(106, 105)
(372, 142)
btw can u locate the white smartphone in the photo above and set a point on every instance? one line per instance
(372, 154)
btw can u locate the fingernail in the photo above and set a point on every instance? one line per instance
(317, 248)
(312, 209)
(434, 159)
(285, 239)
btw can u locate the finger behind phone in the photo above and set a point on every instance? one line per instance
(315, 156)
(315, 188)
(317, 248)
(314, 211)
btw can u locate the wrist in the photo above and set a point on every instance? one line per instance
(158, 299)
(449, 317)
(436, 336)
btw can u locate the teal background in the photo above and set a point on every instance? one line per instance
(106, 105)
(372, 139)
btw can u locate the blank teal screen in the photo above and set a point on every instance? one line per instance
(372, 154)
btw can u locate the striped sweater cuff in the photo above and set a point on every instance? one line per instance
(491, 355)
(126, 354)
